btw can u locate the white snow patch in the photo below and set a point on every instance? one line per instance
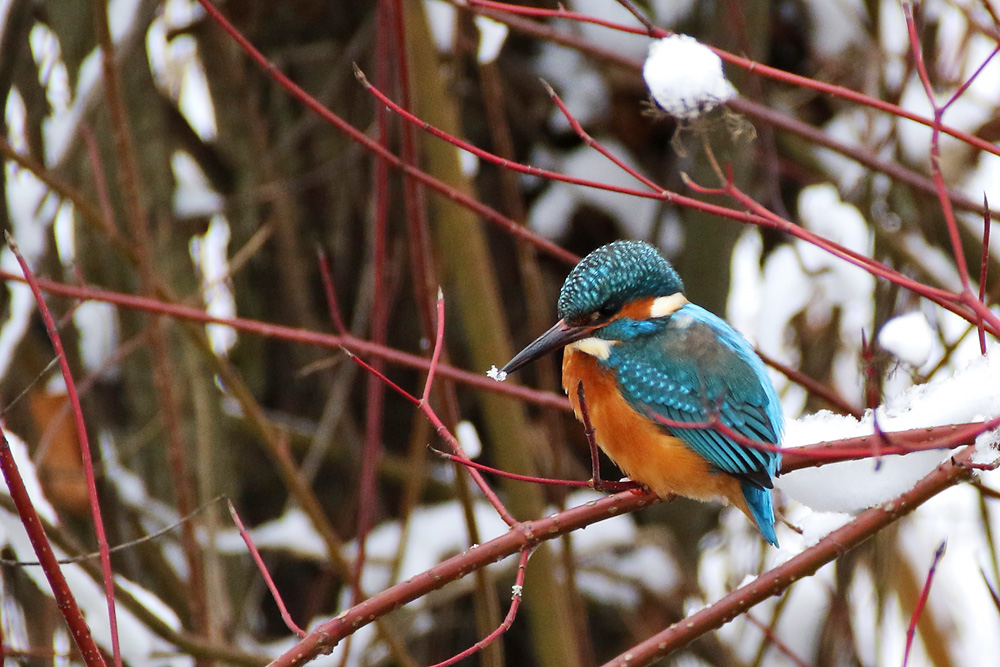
(209, 253)
(553, 210)
(435, 533)
(492, 35)
(626, 44)
(968, 396)
(468, 162)
(935, 261)
(614, 565)
(620, 577)
(97, 323)
(835, 25)
(292, 532)
(580, 85)
(194, 196)
(151, 602)
(441, 18)
(468, 437)
(957, 588)
(29, 476)
(855, 127)
(64, 231)
(802, 278)
(685, 77)
(139, 646)
(121, 15)
(616, 530)
(909, 337)
(668, 13)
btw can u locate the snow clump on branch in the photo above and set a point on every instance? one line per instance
(685, 77)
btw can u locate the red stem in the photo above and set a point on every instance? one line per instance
(380, 306)
(984, 266)
(515, 603)
(445, 434)
(332, 305)
(421, 255)
(745, 63)
(911, 631)
(511, 226)
(259, 562)
(291, 334)
(772, 638)
(438, 346)
(804, 564)
(613, 487)
(78, 627)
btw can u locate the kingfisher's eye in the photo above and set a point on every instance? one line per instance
(608, 310)
(599, 316)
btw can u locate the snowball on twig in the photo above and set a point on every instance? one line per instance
(685, 77)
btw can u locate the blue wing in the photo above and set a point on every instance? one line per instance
(693, 368)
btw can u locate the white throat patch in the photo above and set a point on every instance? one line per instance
(595, 347)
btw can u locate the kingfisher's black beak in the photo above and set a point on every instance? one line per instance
(560, 335)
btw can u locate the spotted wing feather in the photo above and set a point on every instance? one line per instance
(698, 369)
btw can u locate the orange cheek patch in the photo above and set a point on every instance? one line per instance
(637, 310)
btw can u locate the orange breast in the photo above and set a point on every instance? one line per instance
(636, 444)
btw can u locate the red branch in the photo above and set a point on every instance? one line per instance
(259, 562)
(745, 63)
(375, 148)
(911, 631)
(515, 603)
(803, 565)
(530, 533)
(83, 439)
(89, 651)
(291, 334)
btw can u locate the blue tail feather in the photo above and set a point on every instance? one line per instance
(759, 502)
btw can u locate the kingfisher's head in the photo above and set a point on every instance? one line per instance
(622, 279)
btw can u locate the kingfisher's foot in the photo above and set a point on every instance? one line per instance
(625, 484)
(637, 488)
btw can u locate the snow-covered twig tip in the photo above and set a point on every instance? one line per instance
(685, 77)
(496, 374)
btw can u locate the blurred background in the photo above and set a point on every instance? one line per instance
(196, 179)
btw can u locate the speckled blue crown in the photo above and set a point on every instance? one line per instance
(614, 275)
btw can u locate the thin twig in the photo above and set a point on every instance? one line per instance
(259, 562)
(588, 430)
(74, 618)
(515, 603)
(984, 266)
(911, 631)
(332, 304)
(613, 487)
(744, 63)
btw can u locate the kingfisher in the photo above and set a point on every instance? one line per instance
(651, 362)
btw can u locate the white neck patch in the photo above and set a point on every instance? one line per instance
(595, 347)
(667, 305)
